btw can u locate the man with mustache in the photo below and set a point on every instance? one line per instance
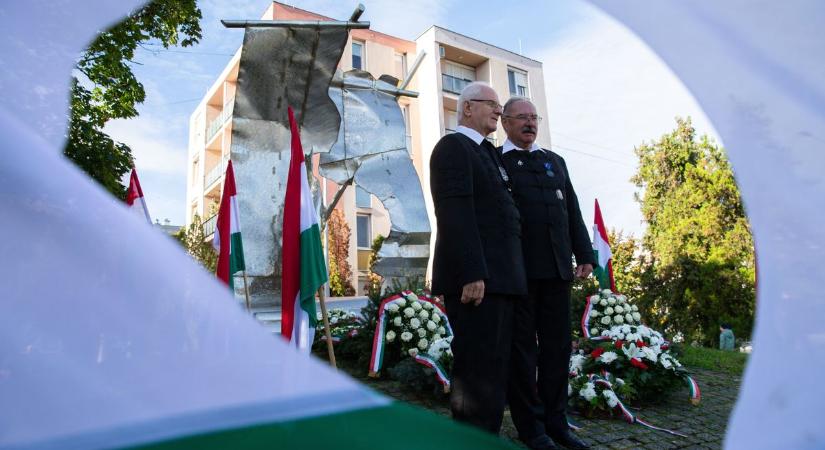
(552, 232)
(477, 263)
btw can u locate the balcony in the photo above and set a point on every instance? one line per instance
(216, 124)
(453, 84)
(209, 226)
(216, 172)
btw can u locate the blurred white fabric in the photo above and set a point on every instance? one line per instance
(110, 335)
(757, 68)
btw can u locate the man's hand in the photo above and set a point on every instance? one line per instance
(473, 292)
(583, 271)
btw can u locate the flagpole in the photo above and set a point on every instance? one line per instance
(246, 291)
(327, 333)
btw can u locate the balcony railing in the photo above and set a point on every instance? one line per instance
(452, 84)
(218, 122)
(209, 226)
(215, 173)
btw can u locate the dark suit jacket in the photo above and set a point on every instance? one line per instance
(552, 227)
(478, 228)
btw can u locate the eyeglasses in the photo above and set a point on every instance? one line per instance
(525, 117)
(491, 103)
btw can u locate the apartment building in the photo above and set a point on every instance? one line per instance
(451, 61)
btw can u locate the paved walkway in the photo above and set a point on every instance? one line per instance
(703, 424)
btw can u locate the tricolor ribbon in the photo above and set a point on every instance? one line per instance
(629, 416)
(440, 373)
(380, 337)
(588, 308)
(695, 393)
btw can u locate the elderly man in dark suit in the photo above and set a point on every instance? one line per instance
(552, 232)
(477, 264)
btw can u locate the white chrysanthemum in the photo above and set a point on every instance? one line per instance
(606, 332)
(608, 311)
(421, 332)
(409, 312)
(431, 325)
(401, 302)
(622, 298)
(594, 313)
(608, 357)
(634, 308)
(619, 336)
(428, 305)
(649, 353)
(607, 292)
(632, 337)
(415, 323)
(406, 336)
(603, 302)
(416, 306)
(397, 321)
(423, 314)
(618, 309)
(392, 307)
(588, 391)
(610, 397)
(618, 319)
(643, 330)
(442, 330)
(611, 301)
(605, 320)
(636, 316)
(594, 331)
(390, 336)
(423, 343)
(576, 362)
(411, 297)
(626, 329)
(628, 317)
(413, 352)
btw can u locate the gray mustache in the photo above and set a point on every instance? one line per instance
(528, 129)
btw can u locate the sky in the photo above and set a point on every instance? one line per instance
(607, 92)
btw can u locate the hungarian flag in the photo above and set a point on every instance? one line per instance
(134, 197)
(304, 270)
(601, 247)
(228, 233)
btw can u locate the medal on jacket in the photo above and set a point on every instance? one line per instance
(504, 175)
(548, 167)
(559, 195)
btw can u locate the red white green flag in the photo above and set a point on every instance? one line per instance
(228, 232)
(604, 257)
(134, 197)
(303, 266)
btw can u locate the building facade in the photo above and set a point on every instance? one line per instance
(450, 62)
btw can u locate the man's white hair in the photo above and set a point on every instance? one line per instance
(470, 91)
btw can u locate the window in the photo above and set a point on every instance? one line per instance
(518, 82)
(362, 227)
(400, 65)
(357, 55)
(455, 76)
(362, 198)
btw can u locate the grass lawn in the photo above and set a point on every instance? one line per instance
(731, 362)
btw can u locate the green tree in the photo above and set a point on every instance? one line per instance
(108, 88)
(193, 239)
(696, 262)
